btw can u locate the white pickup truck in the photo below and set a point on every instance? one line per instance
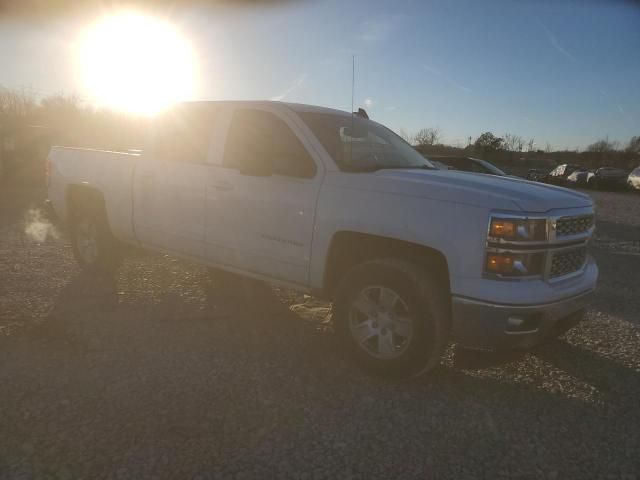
(337, 205)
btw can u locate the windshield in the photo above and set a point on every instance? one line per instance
(490, 166)
(357, 144)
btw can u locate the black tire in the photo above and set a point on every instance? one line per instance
(426, 304)
(107, 254)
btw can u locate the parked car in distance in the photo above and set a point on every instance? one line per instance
(608, 178)
(558, 176)
(633, 180)
(578, 178)
(336, 205)
(535, 174)
(469, 164)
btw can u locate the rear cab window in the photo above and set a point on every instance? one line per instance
(183, 134)
(258, 134)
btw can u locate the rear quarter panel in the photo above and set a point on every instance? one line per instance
(110, 173)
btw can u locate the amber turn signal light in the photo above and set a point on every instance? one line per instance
(503, 228)
(499, 263)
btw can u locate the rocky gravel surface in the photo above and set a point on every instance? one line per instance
(168, 372)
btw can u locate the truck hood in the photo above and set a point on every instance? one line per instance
(483, 190)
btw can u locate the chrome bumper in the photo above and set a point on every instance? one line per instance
(479, 324)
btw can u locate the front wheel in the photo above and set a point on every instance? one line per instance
(392, 316)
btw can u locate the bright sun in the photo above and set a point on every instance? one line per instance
(136, 63)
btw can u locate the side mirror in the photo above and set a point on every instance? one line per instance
(257, 166)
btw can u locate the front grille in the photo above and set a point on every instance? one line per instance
(564, 263)
(566, 226)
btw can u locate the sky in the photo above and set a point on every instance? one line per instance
(561, 72)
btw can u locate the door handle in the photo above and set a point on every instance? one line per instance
(222, 185)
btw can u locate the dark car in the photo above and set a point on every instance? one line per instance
(633, 180)
(578, 178)
(439, 165)
(535, 174)
(608, 178)
(559, 175)
(469, 164)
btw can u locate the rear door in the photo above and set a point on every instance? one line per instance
(147, 213)
(263, 223)
(178, 181)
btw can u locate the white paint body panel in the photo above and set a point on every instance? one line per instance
(111, 173)
(280, 228)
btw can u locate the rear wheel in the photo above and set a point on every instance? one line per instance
(94, 247)
(392, 316)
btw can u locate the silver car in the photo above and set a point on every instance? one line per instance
(633, 180)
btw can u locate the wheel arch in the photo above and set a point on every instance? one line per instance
(350, 248)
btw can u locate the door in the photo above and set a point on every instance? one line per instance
(147, 214)
(261, 199)
(182, 139)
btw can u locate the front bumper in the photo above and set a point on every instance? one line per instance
(479, 324)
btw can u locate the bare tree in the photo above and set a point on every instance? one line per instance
(427, 136)
(531, 145)
(548, 148)
(14, 104)
(634, 145)
(603, 145)
(513, 142)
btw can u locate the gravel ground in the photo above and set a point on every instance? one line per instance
(168, 373)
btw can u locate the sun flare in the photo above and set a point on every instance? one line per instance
(136, 63)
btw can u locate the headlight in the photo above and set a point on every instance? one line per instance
(518, 229)
(515, 264)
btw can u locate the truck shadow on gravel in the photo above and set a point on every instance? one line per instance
(258, 315)
(255, 365)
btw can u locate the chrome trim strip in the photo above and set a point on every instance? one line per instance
(484, 303)
(559, 249)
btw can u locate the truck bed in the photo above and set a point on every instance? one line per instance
(109, 172)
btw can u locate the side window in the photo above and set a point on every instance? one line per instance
(455, 164)
(184, 134)
(256, 135)
(467, 165)
(476, 167)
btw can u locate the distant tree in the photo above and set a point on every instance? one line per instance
(427, 136)
(603, 146)
(513, 142)
(548, 148)
(531, 145)
(16, 105)
(634, 145)
(488, 142)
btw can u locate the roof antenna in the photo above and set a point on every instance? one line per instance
(353, 86)
(353, 78)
